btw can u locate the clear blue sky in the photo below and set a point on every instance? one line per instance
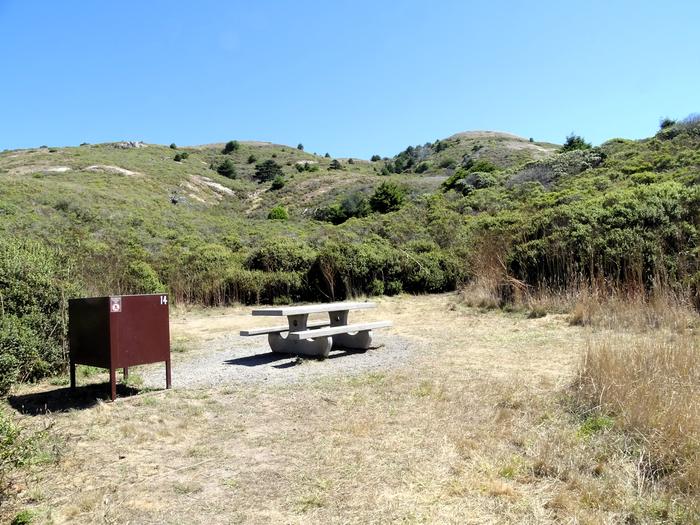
(350, 77)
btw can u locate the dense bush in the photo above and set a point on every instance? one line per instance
(574, 142)
(306, 166)
(375, 158)
(231, 147)
(474, 175)
(666, 123)
(352, 205)
(548, 171)
(281, 255)
(278, 213)
(267, 170)
(278, 183)
(422, 167)
(344, 269)
(227, 169)
(387, 197)
(35, 284)
(335, 165)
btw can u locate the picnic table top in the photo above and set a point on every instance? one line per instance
(312, 308)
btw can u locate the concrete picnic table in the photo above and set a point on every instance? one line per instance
(316, 338)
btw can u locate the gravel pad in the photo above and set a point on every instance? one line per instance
(234, 359)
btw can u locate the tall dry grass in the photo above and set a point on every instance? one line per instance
(649, 384)
(642, 367)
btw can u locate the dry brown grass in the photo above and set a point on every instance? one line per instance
(649, 384)
(471, 430)
(629, 310)
(641, 367)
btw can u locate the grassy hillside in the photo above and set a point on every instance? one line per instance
(443, 156)
(133, 217)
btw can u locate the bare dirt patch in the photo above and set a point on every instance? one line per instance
(113, 169)
(38, 168)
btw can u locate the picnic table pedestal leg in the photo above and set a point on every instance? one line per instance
(357, 341)
(318, 347)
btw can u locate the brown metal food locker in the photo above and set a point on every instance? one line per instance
(119, 332)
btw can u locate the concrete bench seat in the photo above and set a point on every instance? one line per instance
(281, 328)
(335, 330)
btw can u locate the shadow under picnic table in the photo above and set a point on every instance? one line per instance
(258, 359)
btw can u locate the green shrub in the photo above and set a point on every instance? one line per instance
(35, 284)
(447, 163)
(227, 169)
(278, 213)
(251, 159)
(141, 278)
(387, 197)
(353, 205)
(181, 156)
(300, 147)
(173, 146)
(306, 166)
(281, 255)
(231, 146)
(574, 142)
(278, 183)
(666, 123)
(376, 287)
(375, 158)
(268, 170)
(23, 517)
(394, 287)
(335, 165)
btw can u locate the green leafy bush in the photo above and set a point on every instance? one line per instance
(231, 146)
(335, 165)
(227, 169)
(267, 170)
(142, 278)
(422, 167)
(35, 284)
(278, 213)
(387, 197)
(353, 205)
(574, 142)
(281, 255)
(278, 183)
